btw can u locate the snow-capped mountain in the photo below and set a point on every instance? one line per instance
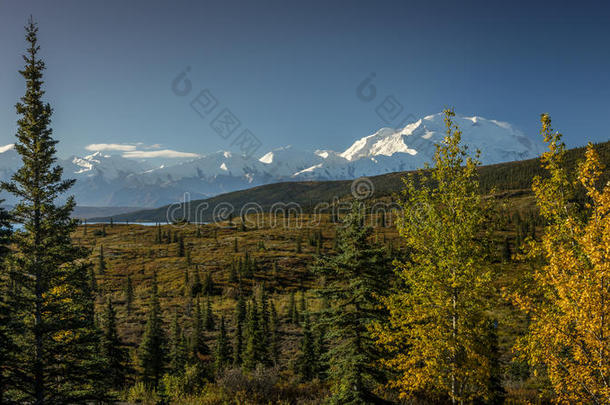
(114, 180)
(409, 148)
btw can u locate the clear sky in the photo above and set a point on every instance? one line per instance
(289, 70)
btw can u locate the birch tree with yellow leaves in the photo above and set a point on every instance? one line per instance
(437, 326)
(569, 304)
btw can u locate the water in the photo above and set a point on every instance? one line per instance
(18, 227)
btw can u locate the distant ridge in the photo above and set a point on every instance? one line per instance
(503, 177)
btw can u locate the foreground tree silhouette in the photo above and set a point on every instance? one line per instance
(356, 277)
(58, 346)
(8, 321)
(437, 329)
(569, 304)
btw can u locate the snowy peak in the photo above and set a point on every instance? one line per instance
(386, 141)
(498, 141)
(6, 148)
(108, 166)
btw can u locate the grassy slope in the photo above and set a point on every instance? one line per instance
(131, 249)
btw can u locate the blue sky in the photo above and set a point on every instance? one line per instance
(289, 70)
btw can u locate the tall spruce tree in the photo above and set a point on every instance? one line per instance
(128, 294)
(222, 354)
(253, 351)
(263, 321)
(207, 287)
(198, 346)
(293, 313)
(92, 280)
(58, 347)
(196, 286)
(208, 318)
(302, 306)
(151, 353)
(9, 324)
(178, 355)
(112, 348)
(306, 359)
(101, 264)
(274, 335)
(238, 340)
(181, 246)
(356, 277)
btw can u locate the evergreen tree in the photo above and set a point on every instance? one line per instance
(101, 265)
(293, 313)
(112, 348)
(233, 273)
(58, 346)
(151, 353)
(497, 393)
(178, 354)
(306, 359)
(128, 294)
(9, 324)
(208, 319)
(254, 338)
(196, 287)
(263, 321)
(208, 284)
(240, 309)
(187, 287)
(198, 346)
(321, 351)
(274, 335)
(238, 342)
(356, 277)
(247, 269)
(302, 307)
(181, 247)
(222, 354)
(93, 280)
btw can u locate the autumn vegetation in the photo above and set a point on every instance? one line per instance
(463, 295)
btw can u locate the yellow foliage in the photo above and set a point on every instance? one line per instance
(569, 304)
(436, 329)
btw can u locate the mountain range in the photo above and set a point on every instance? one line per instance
(111, 180)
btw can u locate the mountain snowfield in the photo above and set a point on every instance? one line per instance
(113, 180)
